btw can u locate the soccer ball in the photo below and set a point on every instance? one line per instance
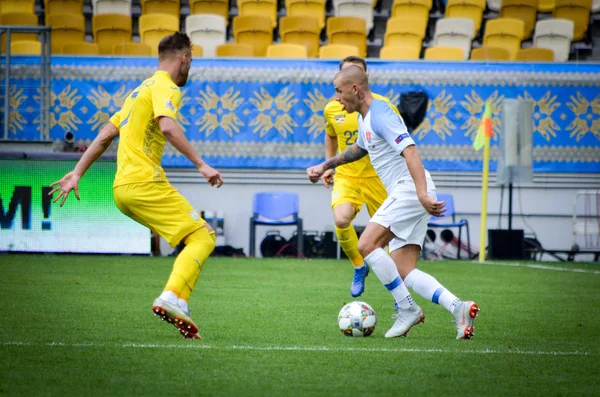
(357, 319)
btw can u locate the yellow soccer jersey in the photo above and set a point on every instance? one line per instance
(344, 126)
(141, 141)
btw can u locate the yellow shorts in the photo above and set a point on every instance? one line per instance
(160, 207)
(358, 191)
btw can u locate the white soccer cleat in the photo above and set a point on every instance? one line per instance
(464, 315)
(405, 319)
(180, 318)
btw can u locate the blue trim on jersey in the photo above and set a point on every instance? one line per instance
(436, 295)
(394, 284)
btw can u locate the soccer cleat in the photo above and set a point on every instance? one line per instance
(464, 316)
(358, 282)
(405, 319)
(173, 314)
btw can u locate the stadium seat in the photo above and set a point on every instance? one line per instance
(63, 7)
(66, 28)
(112, 7)
(454, 32)
(267, 8)
(208, 31)
(494, 5)
(297, 51)
(595, 6)
(132, 49)
(25, 47)
(348, 30)
(306, 8)
(111, 29)
(415, 9)
(404, 32)
(577, 11)
(525, 10)
(535, 55)
(444, 54)
(546, 5)
(275, 209)
(197, 51)
(472, 9)
(449, 221)
(556, 35)
(399, 53)
(506, 33)
(255, 31)
(170, 7)
(153, 27)
(355, 8)
(19, 18)
(81, 48)
(338, 51)
(17, 6)
(217, 7)
(490, 54)
(235, 50)
(303, 30)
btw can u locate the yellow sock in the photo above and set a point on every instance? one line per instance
(189, 262)
(349, 243)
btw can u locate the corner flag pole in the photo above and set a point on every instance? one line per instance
(483, 140)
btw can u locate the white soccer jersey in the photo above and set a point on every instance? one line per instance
(383, 134)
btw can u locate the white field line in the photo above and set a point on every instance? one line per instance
(300, 348)
(542, 267)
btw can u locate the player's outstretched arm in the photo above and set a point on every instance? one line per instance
(417, 172)
(353, 153)
(177, 138)
(71, 180)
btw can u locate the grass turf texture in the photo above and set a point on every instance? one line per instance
(80, 325)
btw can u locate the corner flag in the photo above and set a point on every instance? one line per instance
(485, 127)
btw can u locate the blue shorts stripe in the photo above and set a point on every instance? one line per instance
(436, 295)
(394, 284)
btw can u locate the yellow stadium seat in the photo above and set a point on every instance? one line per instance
(18, 18)
(197, 51)
(405, 32)
(296, 51)
(267, 8)
(132, 49)
(440, 53)
(82, 48)
(505, 33)
(348, 30)
(303, 30)
(66, 28)
(490, 54)
(17, 6)
(400, 53)
(170, 7)
(307, 8)
(217, 7)
(26, 47)
(338, 51)
(416, 9)
(525, 10)
(546, 5)
(535, 55)
(153, 27)
(63, 7)
(472, 9)
(111, 29)
(254, 30)
(235, 50)
(577, 11)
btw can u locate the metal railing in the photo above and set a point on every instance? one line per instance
(6, 33)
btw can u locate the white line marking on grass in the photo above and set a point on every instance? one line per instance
(302, 348)
(543, 267)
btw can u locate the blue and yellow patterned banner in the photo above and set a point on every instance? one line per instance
(269, 114)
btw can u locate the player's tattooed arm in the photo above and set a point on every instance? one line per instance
(349, 155)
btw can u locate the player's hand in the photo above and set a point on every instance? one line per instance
(314, 173)
(432, 206)
(327, 178)
(212, 176)
(65, 185)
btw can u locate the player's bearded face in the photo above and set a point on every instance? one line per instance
(347, 96)
(186, 63)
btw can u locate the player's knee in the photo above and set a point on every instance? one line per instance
(365, 247)
(342, 221)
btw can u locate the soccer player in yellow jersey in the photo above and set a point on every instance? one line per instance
(355, 184)
(141, 190)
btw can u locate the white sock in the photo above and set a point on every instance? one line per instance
(385, 269)
(169, 296)
(429, 288)
(182, 303)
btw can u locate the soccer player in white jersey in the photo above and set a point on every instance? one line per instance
(401, 221)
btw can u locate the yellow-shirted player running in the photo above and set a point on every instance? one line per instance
(355, 184)
(141, 190)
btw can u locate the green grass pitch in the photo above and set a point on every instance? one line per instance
(83, 325)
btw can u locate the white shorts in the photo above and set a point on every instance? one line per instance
(404, 215)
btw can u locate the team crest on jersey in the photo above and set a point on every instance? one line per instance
(401, 137)
(169, 105)
(340, 118)
(368, 136)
